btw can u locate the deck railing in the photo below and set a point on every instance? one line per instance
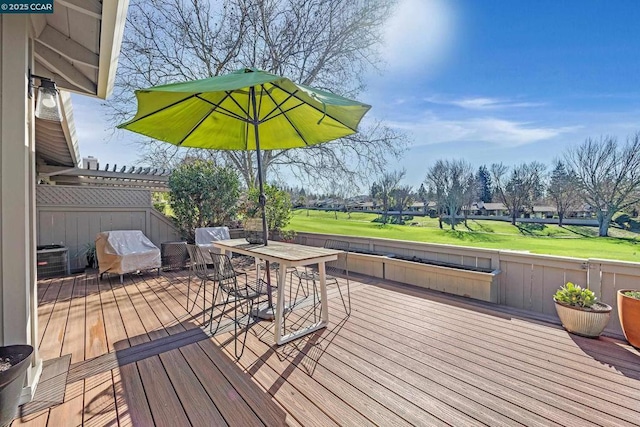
(512, 278)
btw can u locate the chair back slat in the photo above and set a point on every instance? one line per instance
(224, 273)
(198, 263)
(337, 267)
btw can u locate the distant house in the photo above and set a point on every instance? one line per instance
(474, 209)
(493, 209)
(364, 206)
(544, 211)
(583, 211)
(416, 207)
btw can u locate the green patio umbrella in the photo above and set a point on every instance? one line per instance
(245, 110)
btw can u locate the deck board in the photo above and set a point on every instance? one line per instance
(74, 339)
(236, 404)
(288, 396)
(51, 344)
(405, 356)
(531, 357)
(312, 387)
(532, 342)
(467, 352)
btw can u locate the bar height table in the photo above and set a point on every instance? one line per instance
(288, 255)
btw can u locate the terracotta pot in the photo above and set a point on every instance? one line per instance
(629, 314)
(579, 321)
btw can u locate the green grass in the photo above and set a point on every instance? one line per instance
(574, 241)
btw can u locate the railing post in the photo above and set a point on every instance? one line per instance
(594, 276)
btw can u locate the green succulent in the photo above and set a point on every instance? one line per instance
(572, 294)
(633, 294)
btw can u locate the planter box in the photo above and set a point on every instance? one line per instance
(457, 281)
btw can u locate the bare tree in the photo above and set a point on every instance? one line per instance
(450, 181)
(403, 196)
(609, 175)
(436, 183)
(325, 44)
(470, 195)
(522, 186)
(423, 196)
(385, 188)
(564, 190)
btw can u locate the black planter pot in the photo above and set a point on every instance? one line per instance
(12, 380)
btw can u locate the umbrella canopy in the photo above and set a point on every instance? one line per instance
(218, 113)
(245, 110)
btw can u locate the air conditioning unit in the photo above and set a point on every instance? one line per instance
(52, 260)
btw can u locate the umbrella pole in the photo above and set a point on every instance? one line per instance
(262, 199)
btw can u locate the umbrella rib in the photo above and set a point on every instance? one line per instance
(195, 126)
(277, 107)
(314, 107)
(161, 109)
(283, 113)
(221, 109)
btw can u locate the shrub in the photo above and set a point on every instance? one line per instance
(574, 295)
(203, 195)
(278, 207)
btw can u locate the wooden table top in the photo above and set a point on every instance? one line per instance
(289, 253)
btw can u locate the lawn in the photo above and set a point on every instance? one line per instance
(574, 241)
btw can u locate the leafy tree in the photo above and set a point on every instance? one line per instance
(609, 175)
(325, 44)
(520, 188)
(451, 181)
(278, 208)
(202, 195)
(160, 202)
(374, 192)
(403, 196)
(484, 183)
(564, 190)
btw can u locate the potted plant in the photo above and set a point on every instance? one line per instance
(14, 361)
(629, 315)
(580, 312)
(90, 251)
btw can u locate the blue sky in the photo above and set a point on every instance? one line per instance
(488, 81)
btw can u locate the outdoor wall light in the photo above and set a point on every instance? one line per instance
(48, 101)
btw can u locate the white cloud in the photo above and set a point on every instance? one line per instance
(420, 35)
(482, 103)
(501, 132)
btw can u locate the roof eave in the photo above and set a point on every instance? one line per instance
(114, 13)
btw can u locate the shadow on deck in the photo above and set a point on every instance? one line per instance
(404, 356)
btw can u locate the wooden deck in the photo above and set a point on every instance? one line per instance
(403, 357)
